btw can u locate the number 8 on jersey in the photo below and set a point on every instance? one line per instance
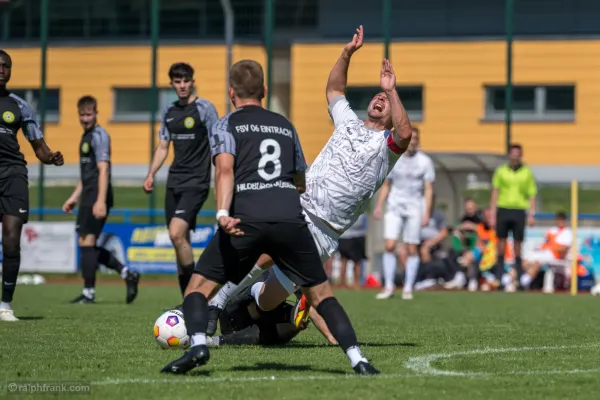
(267, 156)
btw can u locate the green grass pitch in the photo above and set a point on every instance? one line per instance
(442, 345)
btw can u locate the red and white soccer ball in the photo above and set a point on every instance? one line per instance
(170, 331)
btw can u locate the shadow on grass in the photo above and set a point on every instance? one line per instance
(323, 345)
(199, 372)
(285, 367)
(34, 318)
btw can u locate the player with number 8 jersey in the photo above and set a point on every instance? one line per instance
(267, 155)
(259, 175)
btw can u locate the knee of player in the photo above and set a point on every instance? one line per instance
(177, 236)
(267, 302)
(390, 246)
(412, 250)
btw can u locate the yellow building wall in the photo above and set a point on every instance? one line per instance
(78, 71)
(453, 76)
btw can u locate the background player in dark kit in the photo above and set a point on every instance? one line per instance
(186, 124)
(95, 195)
(258, 157)
(15, 114)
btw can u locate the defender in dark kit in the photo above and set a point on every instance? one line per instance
(186, 124)
(95, 196)
(15, 115)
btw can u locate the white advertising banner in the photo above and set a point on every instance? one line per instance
(48, 247)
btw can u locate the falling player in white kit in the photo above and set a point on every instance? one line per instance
(347, 173)
(409, 192)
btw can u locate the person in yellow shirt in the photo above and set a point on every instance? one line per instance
(513, 195)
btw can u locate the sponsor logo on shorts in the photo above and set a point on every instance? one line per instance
(22, 211)
(179, 211)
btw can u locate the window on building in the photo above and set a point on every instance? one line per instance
(133, 104)
(532, 103)
(359, 98)
(32, 97)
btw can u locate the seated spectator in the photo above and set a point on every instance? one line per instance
(465, 231)
(479, 261)
(432, 235)
(552, 253)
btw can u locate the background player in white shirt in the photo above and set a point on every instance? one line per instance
(349, 170)
(409, 192)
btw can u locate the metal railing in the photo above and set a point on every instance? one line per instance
(126, 213)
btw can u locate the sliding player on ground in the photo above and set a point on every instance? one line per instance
(94, 194)
(15, 114)
(186, 123)
(348, 171)
(242, 322)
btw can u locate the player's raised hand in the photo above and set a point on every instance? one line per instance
(388, 77)
(228, 224)
(356, 43)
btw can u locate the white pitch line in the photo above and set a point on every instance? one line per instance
(272, 378)
(422, 364)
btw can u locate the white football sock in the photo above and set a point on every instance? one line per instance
(89, 292)
(198, 339)
(255, 291)
(124, 273)
(506, 280)
(355, 356)
(252, 276)
(526, 280)
(410, 276)
(5, 306)
(389, 270)
(220, 299)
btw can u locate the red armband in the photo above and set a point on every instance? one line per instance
(392, 144)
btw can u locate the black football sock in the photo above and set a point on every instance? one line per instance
(10, 271)
(105, 257)
(195, 314)
(185, 274)
(499, 268)
(341, 328)
(519, 269)
(89, 265)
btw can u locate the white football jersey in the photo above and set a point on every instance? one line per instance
(408, 179)
(349, 170)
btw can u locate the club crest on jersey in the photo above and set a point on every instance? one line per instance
(8, 117)
(189, 122)
(85, 148)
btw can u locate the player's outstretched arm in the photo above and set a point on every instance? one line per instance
(402, 129)
(338, 77)
(45, 155)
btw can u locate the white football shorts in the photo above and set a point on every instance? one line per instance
(409, 225)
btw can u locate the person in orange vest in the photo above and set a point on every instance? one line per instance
(553, 253)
